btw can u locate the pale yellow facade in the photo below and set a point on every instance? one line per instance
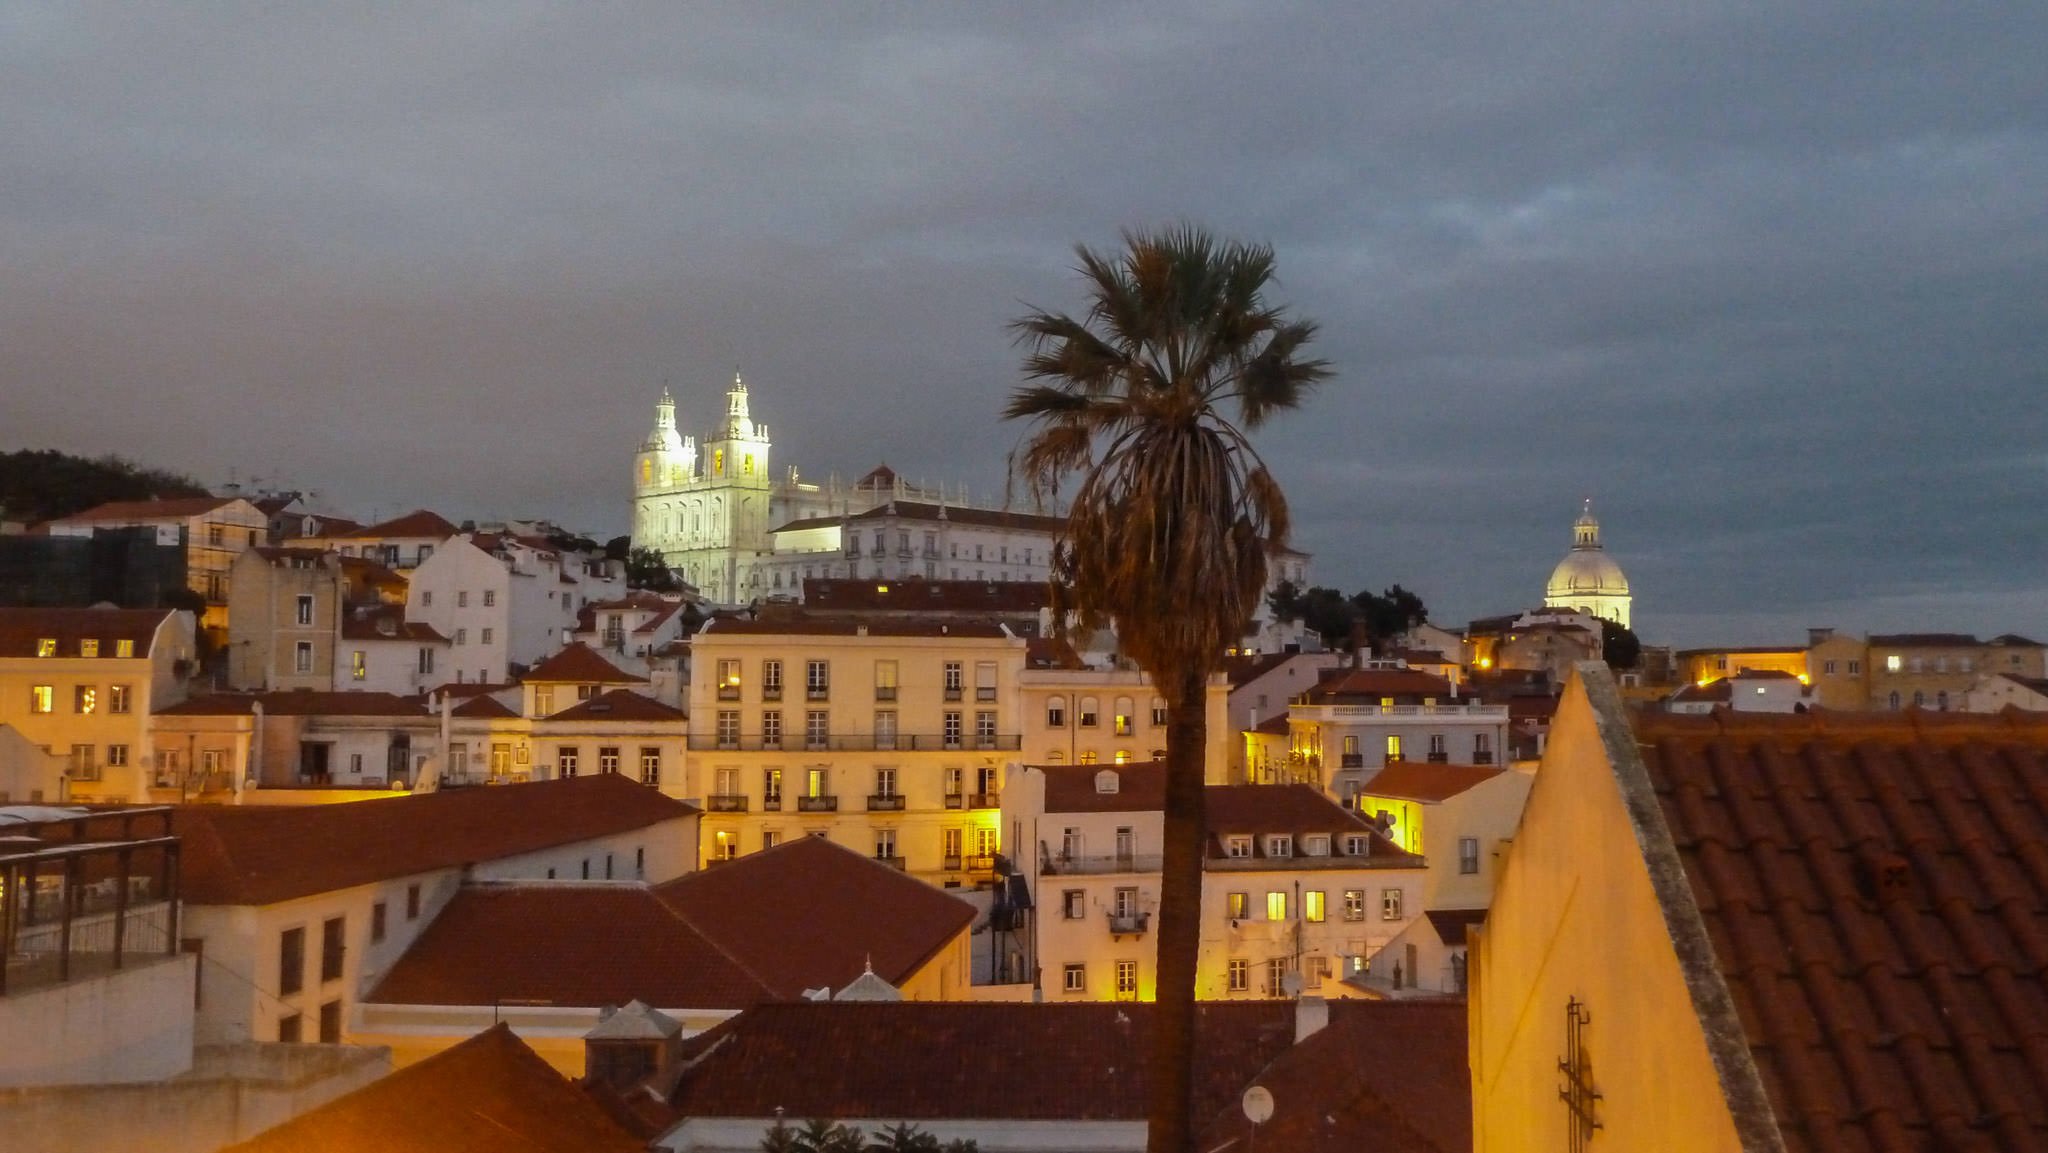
(1110, 716)
(89, 714)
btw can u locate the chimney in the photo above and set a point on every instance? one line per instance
(1816, 636)
(1311, 1016)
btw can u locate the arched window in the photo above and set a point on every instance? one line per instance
(1056, 712)
(1895, 700)
(1125, 719)
(1123, 756)
(1089, 708)
(1088, 758)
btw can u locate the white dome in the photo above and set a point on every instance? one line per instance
(1587, 572)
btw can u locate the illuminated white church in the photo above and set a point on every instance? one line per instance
(739, 533)
(1587, 579)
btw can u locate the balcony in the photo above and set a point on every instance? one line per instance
(885, 692)
(1338, 713)
(985, 693)
(1081, 865)
(855, 742)
(950, 864)
(771, 803)
(728, 692)
(955, 801)
(895, 863)
(984, 800)
(1439, 758)
(984, 863)
(1353, 760)
(1122, 923)
(952, 692)
(904, 551)
(771, 692)
(890, 803)
(818, 694)
(817, 804)
(727, 802)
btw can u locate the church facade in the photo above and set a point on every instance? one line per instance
(1587, 579)
(738, 532)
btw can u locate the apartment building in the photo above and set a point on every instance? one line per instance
(402, 543)
(888, 736)
(504, 602)
(77, 687)
(1079, 713)
(1293, 884)
(293, 747)
(212, 531)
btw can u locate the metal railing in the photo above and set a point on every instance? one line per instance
(1066, 865)
(1121, 923)
(857, 743)
(889, 803)
(817, 804)
(984, 800)
(1353, 712)
(726, 802)
(69, 911)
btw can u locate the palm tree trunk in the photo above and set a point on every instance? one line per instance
(1171, 1077)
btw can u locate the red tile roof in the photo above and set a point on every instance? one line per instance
(566, 943)
(934, 1061)
(1298, 810)
(1050, 653)
(1382, 1077)
(578, 663)
(1140, 788)
(483, 707)
(1425, 781)
(833, 911)
(805, 625)
(917, 594)
(417, 523)
(1874, 887)
(386, 623)
(1405, 685)
(259, 855)
(1275, 725)
(177, 508)
(297, 703)
(620, 705)
(23, 629)
(490, 1094)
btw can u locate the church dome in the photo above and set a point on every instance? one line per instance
(1587, 570)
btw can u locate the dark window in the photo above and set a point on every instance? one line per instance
(291, 963)
(330, 1023)
(640, 863)
(607, 866)
(586, 868)
(197, 947)
(377, 922)
(331, 933)
(412, 903)
(288, 1028)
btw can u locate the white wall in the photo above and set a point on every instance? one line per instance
(126, 1026)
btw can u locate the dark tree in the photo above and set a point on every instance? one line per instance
(1389, 614)
(646, 569)
(1619, 646)
(43, 484)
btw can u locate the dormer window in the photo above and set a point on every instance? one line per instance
(1280, 845)
(1107, 781)
(1316, 845)
(46, 647)
(1355, 844)
(1237, 846)
(88, 648)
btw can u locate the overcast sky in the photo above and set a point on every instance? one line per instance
(1766, 281)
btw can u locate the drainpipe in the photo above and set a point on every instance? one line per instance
(255, 750)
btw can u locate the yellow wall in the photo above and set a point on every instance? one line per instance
(1575, 915)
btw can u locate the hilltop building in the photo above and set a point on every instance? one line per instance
(1587, 579)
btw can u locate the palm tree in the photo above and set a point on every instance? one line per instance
(1171, 524)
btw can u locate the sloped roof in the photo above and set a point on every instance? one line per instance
(960, 514)
(1922, 640)
(1450, 924)
(297, 703)
(417, 523)
(23, 629)
(578, 663)
(1242, 670)
(619, 705)
(916, 594)
(834, 912)
(566, 943)
(176, 508)
(1140, 788)
(1426, 781)
(261, 854)
(802, 624)
(483, 707)
(489, 1094)
(1381, 683)
(1295, 809)
(1874, 888)
(386, 623)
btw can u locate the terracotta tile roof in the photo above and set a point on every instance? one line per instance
(386, 623)
(284, 554)
(177, 508)
(458, 690)
(578, 663)
(1874, 888)
(490, 1094)
(1050, 653)
(934, 1061)
(1295, 809)
(1241, 670)
(926, 596)
(957, 514)
(802, 624)
(417, 523)
(297, 703)
(483, 707)
(570, 944)
(1141, 788)
(23, 629)
(1275, 725)
(661, 617)
(619, 705)
(1406, 686)
(1344, 1088)
(833, 911)
(1426, 781)
(259, 855)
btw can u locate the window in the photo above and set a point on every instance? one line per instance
(1390, 905)
(566, 758)
(725, 845)
(305, 610)
(985, 729)
(484, 637)
(728, 681)
(377, 921)
(359, 665)
(1124, 901)
(817, 781)
(1893, 663)
(291, 962)
(330, 1023)
(771, 788)
(952, 729)
(817, 729)
(117, 698)
(46, 646)
(332, 934)
(117, 756)
(1240, 975)
(216, 535)
(953, 680)
(1122, 717)
(885, 680)
(608, 759)
(42, 698)
(1856, 668)
(1237, 845)
(771, 729)
(1073, 904)
(1468, 855)
(1393, 748)
(885, 782)
(1357, 844)
(1316, 844)
(1126, 979)
(1056, 712)
(124, 649)
(1276, 906)
(885, 728)
(412, 902)
(1158, 713)
(1237, 906)
(650, 765)
(770, 839)
(1827, 668)
(490, 597)
(85, 699)
(1074, 979)
(1354, 904)
(1312, 906)
(461, 636)
(426, 595)
(1280, 845)
(771, 680)
(817, 680)
(728, 728)
(885, 844)
(302, 657)
(288, 1028)
(426, 662)
(984, 680)
(1088, 709)
(1276, 976)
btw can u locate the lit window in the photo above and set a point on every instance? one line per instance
(1237, 846)
(1237, 904)
(1074, 979)
(359, 665)
(1276, 906)
(42, 698)
(85, 699)
(124, 649)
(1893, 663)
(1312, 905)
(46, 647)
(1354, 904)
(117, 699)
(1126, 979)
(1390, 905)
(91, 648)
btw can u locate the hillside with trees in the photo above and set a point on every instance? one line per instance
(38, 484)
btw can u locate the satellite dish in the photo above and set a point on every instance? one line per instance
(1258, 1105)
